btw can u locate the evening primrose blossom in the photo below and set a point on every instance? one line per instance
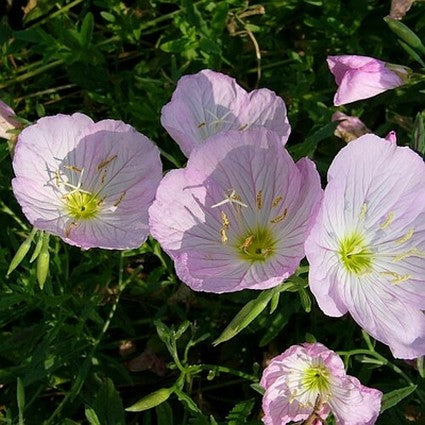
(309, 381)
(237, 216)
(367, 247)
(89, 183)
(208, 102)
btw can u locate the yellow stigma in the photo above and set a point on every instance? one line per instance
(316, 378)
(81, 205)
(354, 254)
(256, 245)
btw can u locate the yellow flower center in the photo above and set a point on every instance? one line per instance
(81, 205)
(355, 256)
(257, 245)
(316, 379)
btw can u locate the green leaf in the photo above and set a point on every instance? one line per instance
(308, 147)
(43, 261)
(187, 402)
(274, 302)
(20, 396)
(245, 316)
(108, 405)
(420, 365)
(181, 329)
(305, 300)
(411, 53)
(164, 414)
(37, 248)
(152, 400)
(238, 415)
(164, 332)
(21, 252)
(91, 416)
(277, 322)
(86, 33)
(418, 137)
(394, 397)
(258, 388)
(405, 33)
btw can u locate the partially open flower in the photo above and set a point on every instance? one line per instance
(349, 128)
(361, 77)
(208, 102)
(8, 121)
(237, 215)
(367, 247)
(308, 381)
(89, 183)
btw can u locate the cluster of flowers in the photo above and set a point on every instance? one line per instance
(242, 214)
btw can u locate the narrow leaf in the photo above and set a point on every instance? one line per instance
(43, 262)
(405, 33)
(394, 397)
(91, 416)
(418, 139)
(20, 395)
(21, 252)
(37, 248)
(245, 316)
(86, 32)
(151, 400)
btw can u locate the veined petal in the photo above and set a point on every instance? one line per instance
(352, 403)
(310, 379)
(367, 247)
(223, 218)
(93, 182)
(375, 308)
(209, 102)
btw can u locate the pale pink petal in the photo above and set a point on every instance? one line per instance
(117, 169)
(187, 215)
(380, 196)
(209, 102)
(354, 404)
(361, 77)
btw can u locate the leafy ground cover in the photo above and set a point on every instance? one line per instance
(109, 328)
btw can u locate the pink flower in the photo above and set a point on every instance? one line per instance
(367, 247)
(361, 77)
(349, 128)
(237, 215)
(208, 102)
(89, 183)
(308, 381)
(7, 121)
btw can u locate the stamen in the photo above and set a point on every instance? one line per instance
(259, 199)
(202, 124)
(225, 221)
(276, 201)
(223, 235)
(398, 278)
(103, 176)
(411, 253)
(247, 243)
(363, 211)
(388, 220)
(119, 200)
(73, 168)
(106, 162)
(406, 237)
(68, 229)
(280, 217)
(243, 127)
(232, 198)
